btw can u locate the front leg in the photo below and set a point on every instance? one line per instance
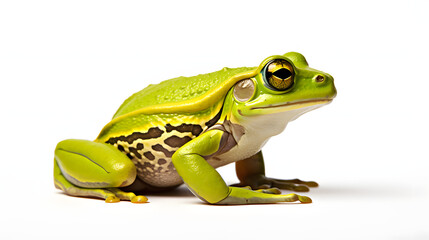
(251, 172)
(207, 184)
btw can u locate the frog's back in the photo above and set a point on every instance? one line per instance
(178, 90)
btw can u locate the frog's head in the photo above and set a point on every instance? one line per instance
(284, 88)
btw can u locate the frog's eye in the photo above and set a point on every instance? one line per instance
(279, 75)
(244, 90)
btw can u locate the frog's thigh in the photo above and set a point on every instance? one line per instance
(63, 184)
(85, 168)
(201, 178)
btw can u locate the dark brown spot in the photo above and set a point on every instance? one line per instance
(136, 153)
(160, 148)
(162, 161)
(140, 146)
(195, 129)
(227, 142)
(175, 141)
(145, 165)
(171, 167)
(149, 165)
(151, 133)
(121, 148)
(149, 155)
(158, 170)
(232, 134)
(214, 120)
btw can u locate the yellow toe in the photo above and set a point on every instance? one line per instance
(139, 199)
(112, 199)
(304, 199)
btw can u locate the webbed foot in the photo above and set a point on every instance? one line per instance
(128, 196)
(264, 189)
(110, 195)
(246, 196)
(263, 182)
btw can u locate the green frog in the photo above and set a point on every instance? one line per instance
(182, 129)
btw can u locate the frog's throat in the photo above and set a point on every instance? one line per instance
(268, 122)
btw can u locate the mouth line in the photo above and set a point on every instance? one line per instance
(294, 103)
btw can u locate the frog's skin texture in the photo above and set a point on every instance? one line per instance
(180, 130)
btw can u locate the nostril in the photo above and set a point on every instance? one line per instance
(320, 78)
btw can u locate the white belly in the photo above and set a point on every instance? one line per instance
(258, 130)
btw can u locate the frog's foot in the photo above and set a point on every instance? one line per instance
(264, 189)
(263, 182)
(110, 195)
(130, 196)
(246, 196)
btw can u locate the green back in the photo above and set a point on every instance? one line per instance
(178, 89)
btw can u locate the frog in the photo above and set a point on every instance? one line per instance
(180, 130)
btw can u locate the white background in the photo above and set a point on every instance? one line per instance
(66, 66)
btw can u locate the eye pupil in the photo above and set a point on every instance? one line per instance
(282, 73)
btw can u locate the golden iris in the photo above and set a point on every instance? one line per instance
(279, 74)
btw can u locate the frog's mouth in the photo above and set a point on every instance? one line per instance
(295, 105)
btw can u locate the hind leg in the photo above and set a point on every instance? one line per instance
(90, 169)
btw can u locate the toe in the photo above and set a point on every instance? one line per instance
(301, 188)
(139, 199)
(112, 199)
(311, 184)
(304, 199)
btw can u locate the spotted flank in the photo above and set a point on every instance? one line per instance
(152, 133)
(195, 129)
(151, 149)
